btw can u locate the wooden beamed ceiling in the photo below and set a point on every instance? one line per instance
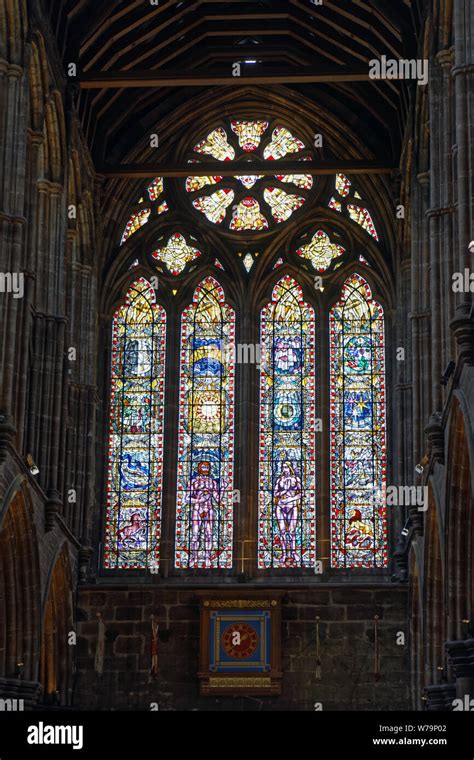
(137, 61)
(264, 168)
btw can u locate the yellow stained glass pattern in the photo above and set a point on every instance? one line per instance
(320, 251)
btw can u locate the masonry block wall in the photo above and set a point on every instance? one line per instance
(346, 645)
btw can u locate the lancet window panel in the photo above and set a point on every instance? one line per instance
(358, 429)
(204, 502)
(134, 482)
(287, 467)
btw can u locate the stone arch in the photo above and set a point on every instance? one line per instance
(460, 527)
(56, 652)
(19, 589)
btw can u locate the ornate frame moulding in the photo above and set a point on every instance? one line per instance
(240, 649)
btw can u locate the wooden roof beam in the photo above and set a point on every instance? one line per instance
(230, 169)
(159, 78)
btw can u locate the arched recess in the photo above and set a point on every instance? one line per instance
(460, 527)
(415, 630)
(434, 624)
(19, 590)
(56, 671)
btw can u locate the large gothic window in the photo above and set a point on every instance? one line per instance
(358, 455)
(204, 512)
(133, 518)
(294, 255)
(287, 497)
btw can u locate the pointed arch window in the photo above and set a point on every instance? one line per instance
(204, 508)
(134, 485)
(358, 429)
(287, 493)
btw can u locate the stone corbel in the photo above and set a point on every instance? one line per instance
(85, 553)
(435, 434)
(400, 558)
(52, 510)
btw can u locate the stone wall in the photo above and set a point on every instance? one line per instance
(347, 650)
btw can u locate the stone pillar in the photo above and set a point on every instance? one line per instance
(420, 315)
(434, 214)
(463, 73)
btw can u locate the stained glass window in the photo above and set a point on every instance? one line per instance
(248, 180)
(320, 251)
(287, 430)
(214, 206)
(282, 204)
(358, 422)
(247, 216)
(362, 216)
(343, 185)
(155, 188)
(281, 144)
(140, 217)
(135, 222)
(248, 261)
(235, 143)
(249, 133)
(358, 214)
(176, 253)
(216, 145)
(196, 183)
(133, 517)
(300, 180)
(204, 512)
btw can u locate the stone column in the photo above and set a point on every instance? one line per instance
(463, 73)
